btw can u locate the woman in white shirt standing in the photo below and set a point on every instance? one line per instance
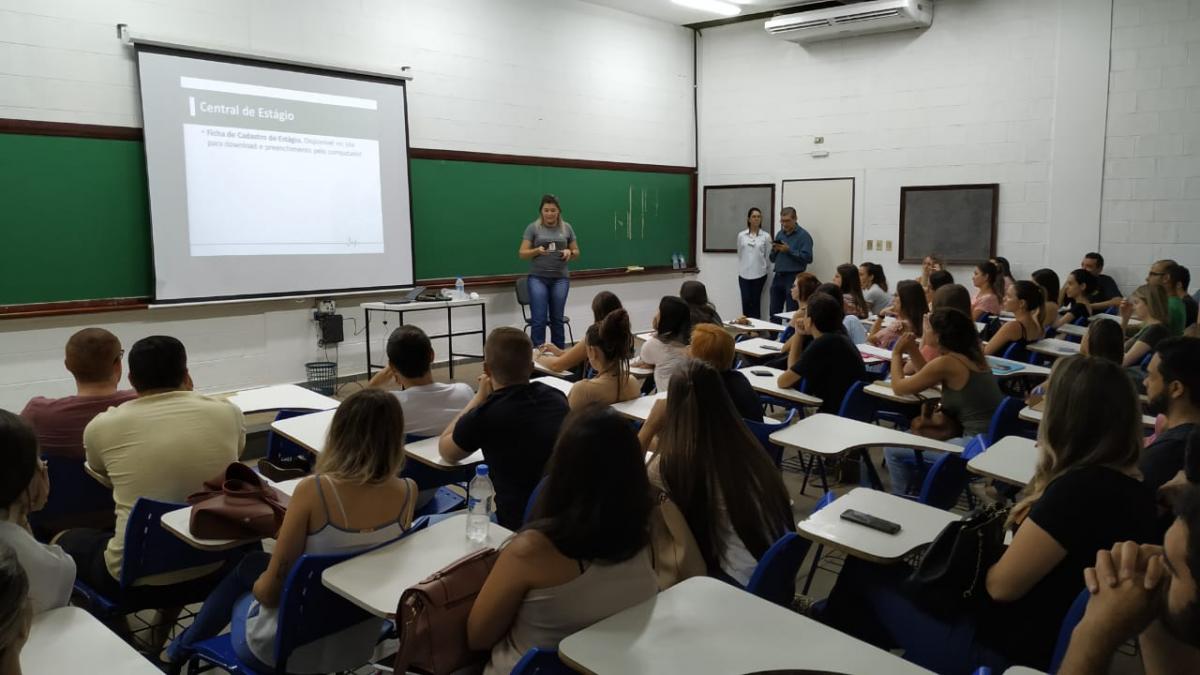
(754, 250)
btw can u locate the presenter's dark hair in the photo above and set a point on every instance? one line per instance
(157, 362)
(409, 351)
(549, 199)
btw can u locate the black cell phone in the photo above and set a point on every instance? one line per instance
(770, 348)
(873, 522)
(763, 373)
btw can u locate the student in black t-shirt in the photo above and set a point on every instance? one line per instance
(1173, 390)
(1075, 297)
(1085, 496)
(514, 421)
(1105, 293)
(831, 364)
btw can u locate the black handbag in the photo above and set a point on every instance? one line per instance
(990, 329)
(950, 578)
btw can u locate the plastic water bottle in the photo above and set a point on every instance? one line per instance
(460, 289)
(674, 261)
(481, 504)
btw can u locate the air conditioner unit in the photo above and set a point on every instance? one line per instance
(860, 18)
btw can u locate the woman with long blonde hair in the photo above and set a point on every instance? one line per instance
(1149, 304)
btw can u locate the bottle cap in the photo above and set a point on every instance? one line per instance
(481, 470)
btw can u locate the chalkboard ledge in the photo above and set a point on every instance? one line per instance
(607, 273)
(42, 309)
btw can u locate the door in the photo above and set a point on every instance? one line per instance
(825, 208)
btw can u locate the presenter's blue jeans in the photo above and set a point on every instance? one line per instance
(547, 303)
(781, 293)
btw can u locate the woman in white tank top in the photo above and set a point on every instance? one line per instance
(355, 501)
(584, 555)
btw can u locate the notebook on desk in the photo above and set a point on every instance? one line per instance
(1002, 368)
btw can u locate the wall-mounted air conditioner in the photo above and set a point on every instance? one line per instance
(861, 18)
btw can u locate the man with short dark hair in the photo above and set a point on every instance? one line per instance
(162, 445)
(1165, 273)
(1173, 389)
(1191, 308)
(514, 421)
(1148, 592)
(428, 406)
(1107, 293)
(792, 253)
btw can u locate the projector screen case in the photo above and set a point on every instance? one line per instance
(270, 180)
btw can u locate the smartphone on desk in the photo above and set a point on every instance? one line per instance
(769, 347)
(873, 522)
(762, 373)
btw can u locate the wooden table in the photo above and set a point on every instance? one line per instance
(920, 525)
(883, 389)
(177, 522)
(1054, 348)
(1012, 459)
(827, 434)
(309, 432)
(69, 640)
(638, 409)
(707, 627)
(756, 326)
(376, 579)
(1029, 414)
(769, 385)
(758, 347)
(280, 397)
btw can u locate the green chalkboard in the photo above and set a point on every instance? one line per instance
(469, 216)
(75, 218)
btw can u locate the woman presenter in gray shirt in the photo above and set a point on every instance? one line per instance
(548, 244)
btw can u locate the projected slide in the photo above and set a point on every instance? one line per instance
(255, 188)
(273, 180)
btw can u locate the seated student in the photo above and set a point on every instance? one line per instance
(24, 487)
(831, 364)
(1182, 280)
(603, 304)
(514, 421)
(1148, 592)
(1149, 304)
(1104, 340)
(850, 323)
(951, 296)
(609, 343)
(1076, 293)
(909, 311)
(714, 346)
(1026, 301)
(1164, 273)
(428, 406)
(354, 500)
(969, 391)
(938, 279)
(874, 283)
(1006, 277)
(667, 348)
(930, 264)
(583, 557)
(987, 299)
(1085, 495)
(16, 611)
(846, 279)
(163, 445)
(1173, 390)
(701, 310)
(803, 287)
(1047, 279)
(93, 357)
(716, 472)
(1105, 294)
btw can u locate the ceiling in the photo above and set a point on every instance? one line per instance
(665, 10)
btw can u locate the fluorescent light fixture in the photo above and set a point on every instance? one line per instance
(714, 6)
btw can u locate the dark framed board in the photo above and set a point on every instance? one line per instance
(725, 209)
(957, 222)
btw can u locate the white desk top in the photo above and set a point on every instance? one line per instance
(920, 525)
(883, 389)
(69, 640)
(1054, 347)
(1023, 670)
(177, 523)
(644, 336)
(785, 316)
(375, 580)
(1012, 459)
(758, 347)
(1030, 415)
(756, 325)
(281, 396)
(639, 408)
(543, 369)
(769, 384)
(1072, 329)
(871, 352)
(557, 383)
(687, 629)
(1017, 367)
(832, 435)
(309, 432)
(431, 304)
(1113, 317)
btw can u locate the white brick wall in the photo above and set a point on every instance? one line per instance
(556, 78)
(1151, 206)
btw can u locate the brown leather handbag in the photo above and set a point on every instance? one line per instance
(432, 616)
(238, 504)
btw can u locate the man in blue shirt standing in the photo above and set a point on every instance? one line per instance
(791, 252)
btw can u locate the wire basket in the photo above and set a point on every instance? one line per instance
(322, 376)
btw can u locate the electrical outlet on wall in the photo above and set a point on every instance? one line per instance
(888, 244)
(326, 306)
(870, 245)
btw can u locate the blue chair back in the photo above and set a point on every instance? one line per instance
(1016, 351)
(763, 430)
(308, 610)
(278, 446)
(72, 490)
(1144, 364)
(774, 577)
(538, 661)
(787, 333)
(150, 549)
(946, 480)
(1072, 618)
(533, 497)
(857, 404)
(1006, 422)
(825, 500)
(976, 446)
